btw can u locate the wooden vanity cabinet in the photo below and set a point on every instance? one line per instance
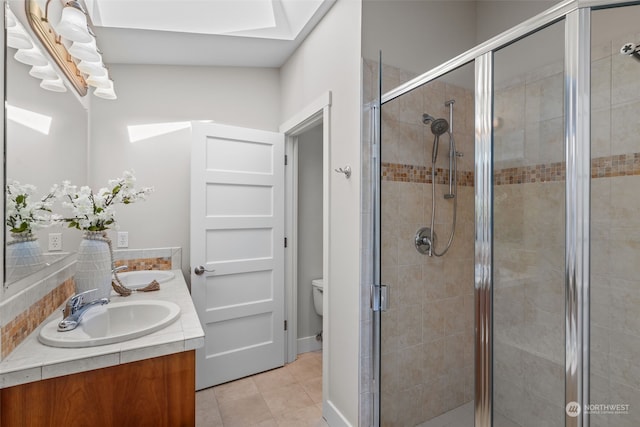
(154, 392)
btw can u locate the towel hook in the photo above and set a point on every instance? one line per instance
(346, 171)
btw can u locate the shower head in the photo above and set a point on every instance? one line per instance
(439, 126)
(426, 118)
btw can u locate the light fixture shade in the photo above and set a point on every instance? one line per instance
(73, 24)
(43, 72)
(54, 85)
(11, 21)
(85, 51)
(94, 69)
(107, 93)
(102, 82)
(30, 57)
(18, 40)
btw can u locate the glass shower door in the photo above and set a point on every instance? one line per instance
(529, 231)
(615, 224)
(427, 331)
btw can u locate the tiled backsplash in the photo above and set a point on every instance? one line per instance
(24, 312)
(14, 332)
(138, 264)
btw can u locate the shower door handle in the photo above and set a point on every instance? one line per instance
(379, 297)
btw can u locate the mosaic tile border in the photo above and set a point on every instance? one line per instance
(14, 332)
(601, 167)
(399, 172)
(137, 264)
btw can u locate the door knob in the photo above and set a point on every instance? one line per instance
(200, 270)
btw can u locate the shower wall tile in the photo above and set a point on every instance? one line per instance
(434, 96)
(601, 84)
(625, 127)
(625, 85)
(544, 98)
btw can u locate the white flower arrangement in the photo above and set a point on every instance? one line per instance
(25, 212)
(96, 211)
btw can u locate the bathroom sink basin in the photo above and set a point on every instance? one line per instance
(140, 279)
(112, 323)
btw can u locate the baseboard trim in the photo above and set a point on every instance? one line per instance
(333, 416)
(307, 344)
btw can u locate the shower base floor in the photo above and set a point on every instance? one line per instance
(462, 416)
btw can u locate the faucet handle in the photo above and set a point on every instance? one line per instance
(75, 302)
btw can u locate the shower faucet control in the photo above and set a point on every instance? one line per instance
(423, 241)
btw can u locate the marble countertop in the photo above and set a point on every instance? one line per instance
(33, 361)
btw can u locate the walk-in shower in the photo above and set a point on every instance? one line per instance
(518, 320)
(426, 237)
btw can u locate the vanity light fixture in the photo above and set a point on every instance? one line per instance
(100, 82)
(106, 93)
(31, 56)
(85, 51)
(17, 38)
(71, 42)
(92, 69)
(43, 72)
(56, 85)
(73, 24)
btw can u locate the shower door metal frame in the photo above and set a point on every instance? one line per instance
(577, 16)
(577, 109)
(483, 282)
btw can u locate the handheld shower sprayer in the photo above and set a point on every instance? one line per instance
(438, 127)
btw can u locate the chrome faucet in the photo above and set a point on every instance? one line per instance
(119, 269)
(76, 308)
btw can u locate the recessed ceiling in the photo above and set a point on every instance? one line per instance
(258, 33)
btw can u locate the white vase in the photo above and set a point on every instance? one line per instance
(23, 257)
(93, 267)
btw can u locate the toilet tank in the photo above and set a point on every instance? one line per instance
(317, 286)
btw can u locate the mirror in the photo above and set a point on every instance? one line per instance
(41, 155)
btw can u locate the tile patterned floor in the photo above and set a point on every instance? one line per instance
(290, 396)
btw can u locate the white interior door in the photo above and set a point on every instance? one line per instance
(237, 235)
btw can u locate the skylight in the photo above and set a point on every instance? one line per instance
(275, 19)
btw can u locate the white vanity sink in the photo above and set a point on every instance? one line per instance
(112, 323)
(140, 279)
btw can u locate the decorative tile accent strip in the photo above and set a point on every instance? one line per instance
(422, 175)
(601, 167)
(26, 322)
(529, 174)
(163, 263)
(619, 165)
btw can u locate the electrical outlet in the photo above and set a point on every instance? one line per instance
(55, 241)
(123, 239)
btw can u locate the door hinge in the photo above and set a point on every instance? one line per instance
(285, 325)
(286, 243)
(286, 160)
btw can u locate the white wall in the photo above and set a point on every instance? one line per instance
(329, 60)
(417, 35)
(246, 97)
(309, 229)
(494, 17)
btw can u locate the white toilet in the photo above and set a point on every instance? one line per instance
(317, 285)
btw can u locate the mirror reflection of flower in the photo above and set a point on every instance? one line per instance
(25, 212)
(96, 211)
